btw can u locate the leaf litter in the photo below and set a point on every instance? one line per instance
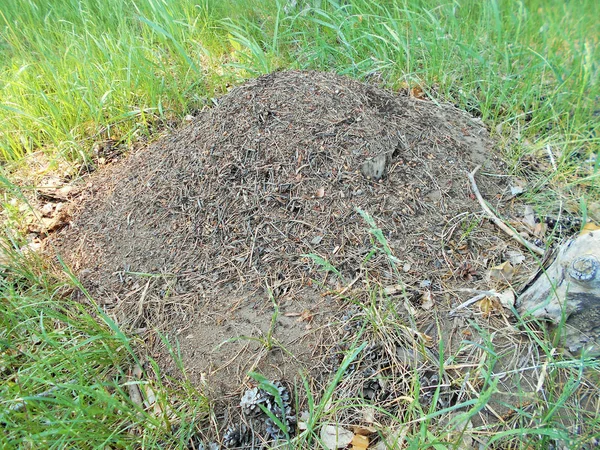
(225, 234)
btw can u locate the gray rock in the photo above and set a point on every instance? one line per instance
(374, 168)
(569, 288)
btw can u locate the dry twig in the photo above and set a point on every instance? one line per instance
(531, 247)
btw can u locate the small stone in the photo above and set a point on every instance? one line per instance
(316, 240)
(48, 209)
(516, 190)
(374, 168)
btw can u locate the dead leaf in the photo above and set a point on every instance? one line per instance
(360, 442)
(506, 298)
(365, 431)
(137, 371)
(368, 416)
(539, 230)
(466, 271)
(150, 397)
(593, 209)
(334, 437)
(306, 316)
(409, 356)
(489, 305)
(394, 439)
(486, 306)
(303, 420)
(32, 247)
(50, 224)
(516, 190)
(320, 192)
(427, 340)
(517, 186)
(417, 92)
(392, 290)
(427, 301)
(316, 240)
(47, 209)
(516, 257)
(203, 379)
(151, 402)
(589, 227)
(134, 394)
(529, 217)
(503, 272)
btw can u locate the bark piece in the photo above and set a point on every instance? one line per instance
(569, 287)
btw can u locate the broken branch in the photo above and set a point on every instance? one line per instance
(517, 237)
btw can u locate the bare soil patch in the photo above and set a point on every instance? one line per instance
(201, 233)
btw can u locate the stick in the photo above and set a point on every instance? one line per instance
(469, 302)
(343, 291)
(517, 237)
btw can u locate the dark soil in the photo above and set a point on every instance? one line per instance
(199, 234)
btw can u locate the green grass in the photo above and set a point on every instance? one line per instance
(67, 374)
(551, 415)
(99, 69)
(75, 72)
(115, 68)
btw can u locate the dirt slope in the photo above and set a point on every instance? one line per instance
(194, 234)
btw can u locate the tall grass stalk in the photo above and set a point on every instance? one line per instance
(67, 374)
(115, 68)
